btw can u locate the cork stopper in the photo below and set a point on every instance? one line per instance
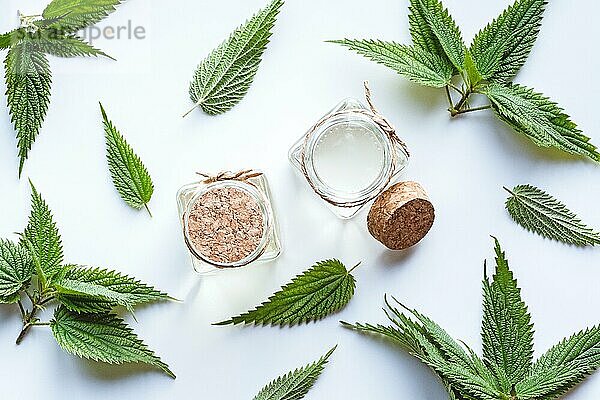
(401, 216)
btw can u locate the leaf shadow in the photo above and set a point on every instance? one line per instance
(10, 320)
(110, 372)
(421, 373)
(429, 99)
(100, 371)
(518, 144)
(578, 388)
(8, 311)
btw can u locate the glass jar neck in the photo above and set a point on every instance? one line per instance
(341, 119)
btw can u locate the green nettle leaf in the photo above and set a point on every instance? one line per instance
(460, 371)
(74, 15)
(224, 77)
(67, 47)
(506, 329)
(473, 74)
(563, 366)
(5, 41)
(28, 75)
(295, 384)
(12, 299)
(539, 212)
(16, 270)
(496, 55)
(43, 236)
(324, 289)
(86, 304)
(28, 81)
(82, 324)
(11, 38)
(502, 47)
(93, 290)
(129, 175)
(440, 23)
(414, 63)
(507, 371)
(539, 119)
(103, 337)
(422, 34)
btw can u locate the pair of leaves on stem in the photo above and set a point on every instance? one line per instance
(498, 52)
(539, 212)
(224, 77)
(507, 369)
(84, 323)
(28, 74)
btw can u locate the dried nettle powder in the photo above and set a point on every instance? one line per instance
(225, 225)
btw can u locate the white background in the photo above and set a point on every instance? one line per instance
(463, 164)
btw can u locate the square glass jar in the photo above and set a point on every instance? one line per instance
(255, 186)
(349, 157)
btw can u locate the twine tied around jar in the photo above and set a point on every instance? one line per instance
(242, 176)
(371, 113)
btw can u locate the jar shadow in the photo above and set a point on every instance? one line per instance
(193, 289)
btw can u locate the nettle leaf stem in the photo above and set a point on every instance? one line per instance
(39, 299)
(84, 322)
(462, 106)
(28, 22)
(438, 58)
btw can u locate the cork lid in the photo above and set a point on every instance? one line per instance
(401, 216)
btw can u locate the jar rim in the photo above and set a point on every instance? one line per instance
(260, 200)
(340, 197)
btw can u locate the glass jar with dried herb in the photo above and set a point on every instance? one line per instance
(228, 221)
(350, 156)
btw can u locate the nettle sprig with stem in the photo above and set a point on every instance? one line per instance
(507, 369)
(439, 58)
(55, 32)
(33, 276)
(39, 293)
